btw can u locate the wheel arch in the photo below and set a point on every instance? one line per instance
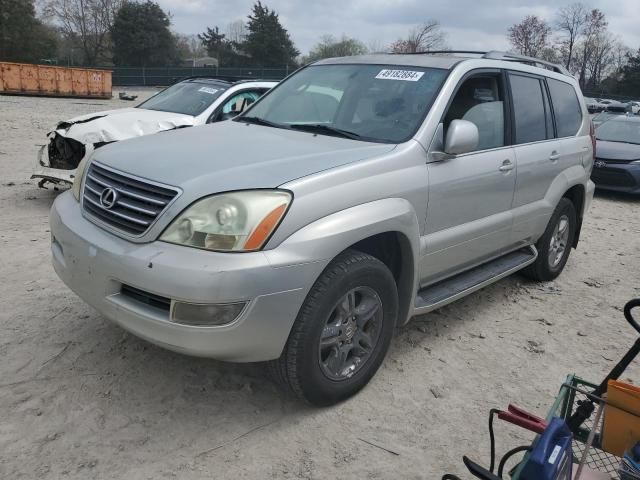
(393, 248)
(570, 184)
(387, 229)
(576, 195)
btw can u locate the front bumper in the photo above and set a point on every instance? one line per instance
(619, 177)
(95, 264)
(50, 174)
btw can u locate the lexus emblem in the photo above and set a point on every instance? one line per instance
(108, 198)
(601, 164)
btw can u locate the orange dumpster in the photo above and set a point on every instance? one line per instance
(48, 80)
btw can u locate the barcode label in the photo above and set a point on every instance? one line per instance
(554, 454)
(406, 75)
(209, 90)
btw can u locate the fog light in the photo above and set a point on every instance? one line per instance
(205, 314)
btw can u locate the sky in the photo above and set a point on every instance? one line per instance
(469, 24)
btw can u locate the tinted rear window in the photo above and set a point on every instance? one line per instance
(566, 108)
(528, 106)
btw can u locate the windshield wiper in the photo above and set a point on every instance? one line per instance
(260, 121)
(326, 129)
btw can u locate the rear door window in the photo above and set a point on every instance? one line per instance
(566, 108)
(528, 108)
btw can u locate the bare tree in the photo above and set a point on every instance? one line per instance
(236, 32)
(88, 21)
(426, 37)
(570, 22)
(190, 47)
(595, 26)
(620, 54)
(601, 58)
(376, 45)
(330, 46)
(531, 36)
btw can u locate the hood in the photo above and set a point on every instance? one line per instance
(626, 152)
(120, 124)
(232, 156)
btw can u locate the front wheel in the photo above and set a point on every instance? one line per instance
(342, 332)
(555, 244)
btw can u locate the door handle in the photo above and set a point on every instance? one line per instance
(506, 166)
(554, 156)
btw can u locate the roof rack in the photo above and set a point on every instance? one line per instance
(204, 77)
(505, 56)
(246, 80)
(514, 57)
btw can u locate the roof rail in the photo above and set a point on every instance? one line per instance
(204, 77)
(246, 80)
(428, 52)
(514, 57)
(505, 56)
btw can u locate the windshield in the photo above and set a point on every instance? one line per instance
(369, 102)
(624, 131)
(189, 98)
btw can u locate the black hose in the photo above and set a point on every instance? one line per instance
(448, 476)
(492, 439)
(509, 454)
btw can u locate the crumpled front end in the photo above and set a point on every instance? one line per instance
(72, 141)
(58, 160)
(63, 152)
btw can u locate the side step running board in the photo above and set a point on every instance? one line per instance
(449, 290)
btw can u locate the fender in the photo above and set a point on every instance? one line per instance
(325, 238)
(567, 179)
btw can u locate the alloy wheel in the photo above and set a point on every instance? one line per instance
(350, 333)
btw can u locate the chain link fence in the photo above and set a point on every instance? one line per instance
(608, 96)
(163, 76)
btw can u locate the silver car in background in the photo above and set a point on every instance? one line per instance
(359, 192)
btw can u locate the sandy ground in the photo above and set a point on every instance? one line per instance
(82, 399)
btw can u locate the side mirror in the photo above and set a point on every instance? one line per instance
(462, 137)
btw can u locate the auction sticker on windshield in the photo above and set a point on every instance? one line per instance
(407, 75)
(209, 90)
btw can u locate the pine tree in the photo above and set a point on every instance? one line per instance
(268, 42)
(630, 82)
(22, 36)
(141, 36)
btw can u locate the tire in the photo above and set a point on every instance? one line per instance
(550, 261)
(311, 371)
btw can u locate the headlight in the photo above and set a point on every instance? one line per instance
(77, 180)
(235, 221)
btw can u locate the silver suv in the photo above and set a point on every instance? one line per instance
(358, 193)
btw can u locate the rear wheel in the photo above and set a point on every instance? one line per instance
(342, 331)
(555, 244)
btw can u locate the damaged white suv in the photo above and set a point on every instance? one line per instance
(191, 102)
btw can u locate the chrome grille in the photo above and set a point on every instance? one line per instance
(136, 202)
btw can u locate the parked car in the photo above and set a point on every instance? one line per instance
(593, 105)
(635, 107)
(194, 101)
(617, 165)
(618, 107)
(359, 192)
(602, 117)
